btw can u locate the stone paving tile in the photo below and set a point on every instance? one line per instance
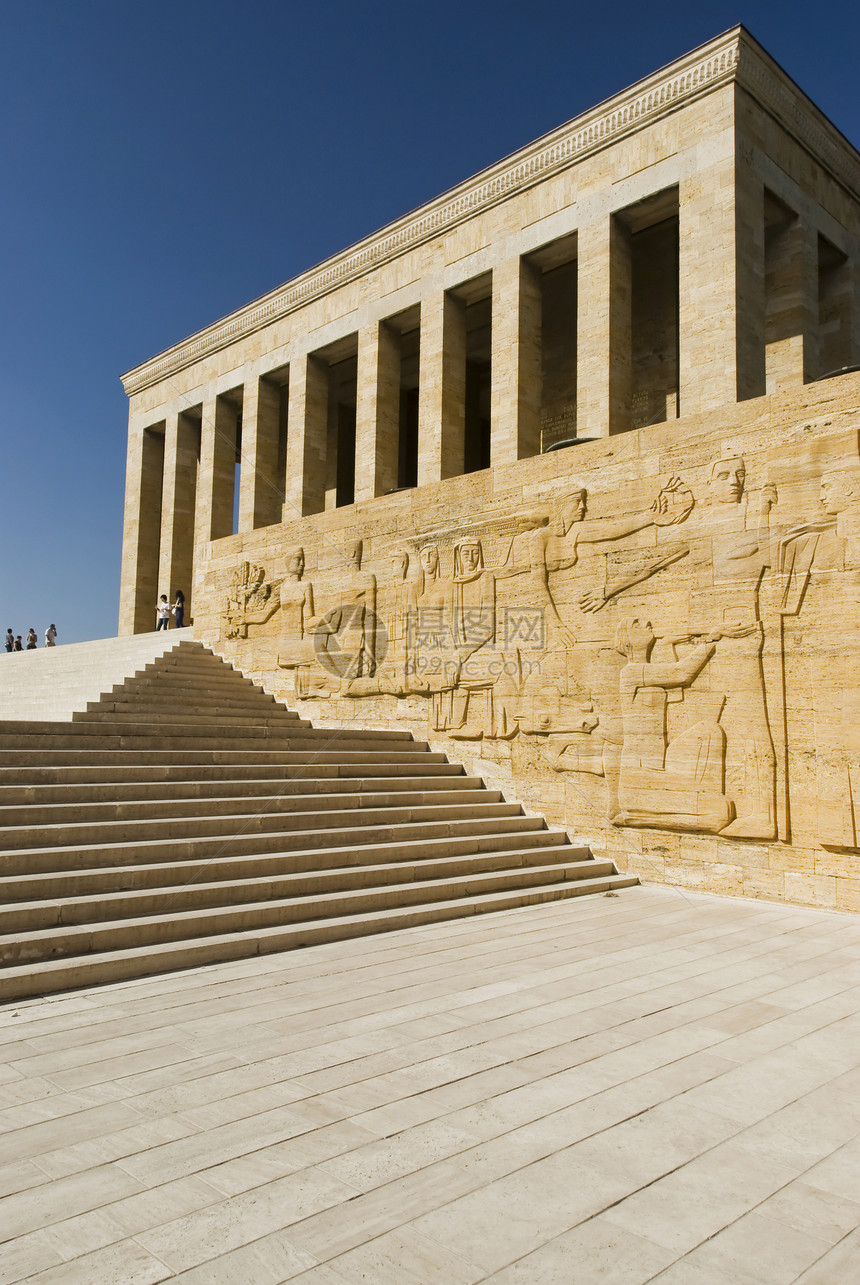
(266, 1262)
(658, 1086)
(20, 1176)
(593, 1251)
(376, 1212)
(755, 1250)
(838, 1265)
(40, 1207)
(24, 1257)
(405, 1257)
(819, 1213)
(126, 1262)
(217, 1229)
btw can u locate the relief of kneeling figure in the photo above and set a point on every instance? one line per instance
(669, 785)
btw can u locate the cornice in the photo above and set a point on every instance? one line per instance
(731, 55)
(778, 94)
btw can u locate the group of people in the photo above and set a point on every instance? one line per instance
(14, 642)
(164, 611)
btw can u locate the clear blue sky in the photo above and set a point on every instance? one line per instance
(166, 161)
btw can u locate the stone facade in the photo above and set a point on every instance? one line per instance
(651, 633)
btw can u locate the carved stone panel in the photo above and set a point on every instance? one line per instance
(670, 655)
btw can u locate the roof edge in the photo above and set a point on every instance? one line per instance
(733, 55)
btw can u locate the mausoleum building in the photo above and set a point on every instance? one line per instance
(560, 471)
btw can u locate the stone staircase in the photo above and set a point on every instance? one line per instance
(187, 817)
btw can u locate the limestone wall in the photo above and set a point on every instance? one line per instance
(653, 638)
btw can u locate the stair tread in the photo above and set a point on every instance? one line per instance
(72, 972)
(363, 798)
(191, 791)
(285, 878)
(324, 821)
(426, 851)
(75, 849)
(63, 932)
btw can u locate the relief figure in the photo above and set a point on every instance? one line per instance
(542, 700)
(824, 557)
(346, 634)
(555, 537)
(431, 663)
(392, 676)
(297, 624)
(477, 666)
(732, 549)
(668, 784)
(252, 600)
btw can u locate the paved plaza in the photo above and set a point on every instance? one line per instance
(650, 1086)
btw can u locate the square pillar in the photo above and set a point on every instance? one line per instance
(442, 388)
(603, 324)
(377, 422)
(515, 363)
(332, 443)
(721, 284)
(216, 477)
(261, 490)
(141, 527)
(176, 546)
(791, 279)
(838, 309)
(306, 437)
(852, 308)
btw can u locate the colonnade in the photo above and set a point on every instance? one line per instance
(760, 302)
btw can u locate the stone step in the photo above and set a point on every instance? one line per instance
(108, 908)
(281, 816)
(175, 663)
(202, 756)
(186, 815)
(165, 691)
(51, 976)
(140, 735)
(77, 939)
(507, 830)
(544, 847)
(155, 679)
(151, 677)
(17, 801)
(302, 800)
(167, 716)
(196, 700)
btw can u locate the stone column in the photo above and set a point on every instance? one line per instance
(216, 476)
(838, 310)
(176, 547)
(141, 526)
(603, 324)
(306, 437)
(721, 283)
(442, 388)
(515, 389)
(261, 490)
(377, 411)
(791, 280)
(852, 269)
(332, 442)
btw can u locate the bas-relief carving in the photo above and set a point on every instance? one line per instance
(624, 648)
(251, 600)
(345, 636)
(819, 562)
